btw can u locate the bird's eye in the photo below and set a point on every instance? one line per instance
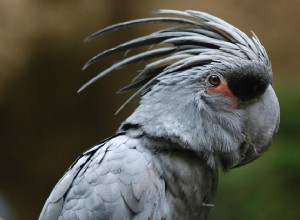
(214, 80)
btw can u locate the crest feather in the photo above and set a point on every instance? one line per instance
(197, 39)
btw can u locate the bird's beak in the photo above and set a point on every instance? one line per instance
(263, 117)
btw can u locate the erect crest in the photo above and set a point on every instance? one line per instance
(197, 39)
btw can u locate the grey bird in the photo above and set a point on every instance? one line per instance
(206, 103)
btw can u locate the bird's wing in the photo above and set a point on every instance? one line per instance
(54, 204)
(113, 180)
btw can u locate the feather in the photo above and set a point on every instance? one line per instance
(132, 59)
(197, 40)
(142, 41)
(139, 22)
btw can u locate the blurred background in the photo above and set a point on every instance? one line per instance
(45, 124)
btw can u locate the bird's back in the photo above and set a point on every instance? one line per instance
(121, 179)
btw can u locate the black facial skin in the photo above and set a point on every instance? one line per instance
(247, 87)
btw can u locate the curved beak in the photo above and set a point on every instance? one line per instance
(262, 124)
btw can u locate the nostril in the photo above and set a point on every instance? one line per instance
(247, 87)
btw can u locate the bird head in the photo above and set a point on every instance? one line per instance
(208, 90)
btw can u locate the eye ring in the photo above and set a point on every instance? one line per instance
(214, 80)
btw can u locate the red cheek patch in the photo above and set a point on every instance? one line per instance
(224, 90)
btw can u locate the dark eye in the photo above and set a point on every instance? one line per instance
(214, 80)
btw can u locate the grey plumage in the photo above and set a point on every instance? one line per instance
(206, 103)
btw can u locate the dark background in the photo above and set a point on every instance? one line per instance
(45, 124)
